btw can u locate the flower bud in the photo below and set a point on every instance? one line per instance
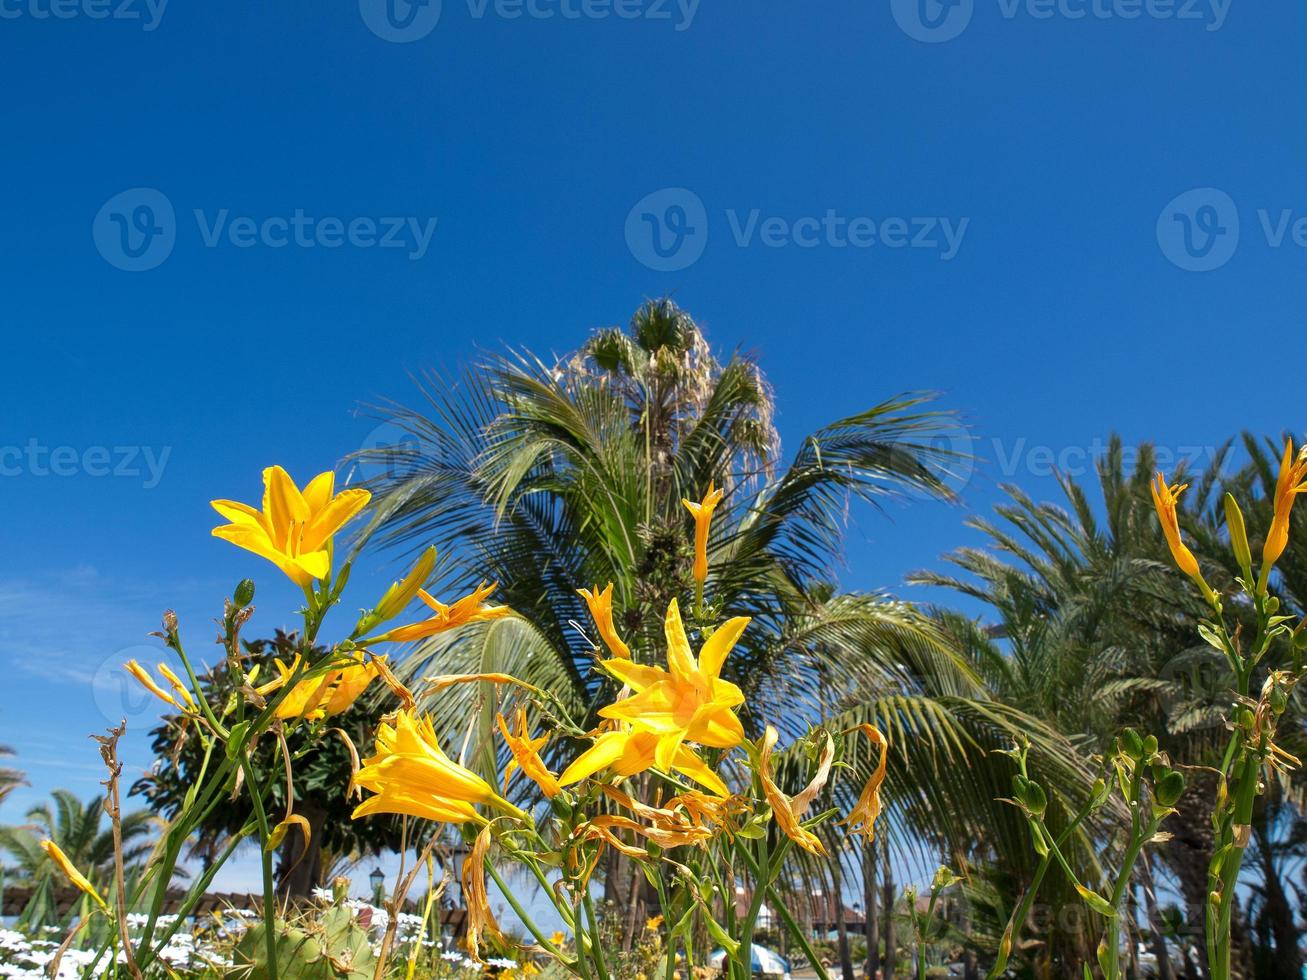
(1168, 790)
(1034, 798)
(244, 593)
(1238, 535)
(1150, 746)
(1131, 743)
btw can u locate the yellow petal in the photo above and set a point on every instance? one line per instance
(680, 660)
(718, 646)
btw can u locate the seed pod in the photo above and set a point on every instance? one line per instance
(1131, 743)
(1168, 790)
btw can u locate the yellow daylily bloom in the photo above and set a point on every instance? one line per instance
(629, 752)
(862, 818)
(789, 812)
(321, 697)
(558, 939)
(687, 702)
(71, 872)
(1165, 499)
(1291, 482)
(294, 529)
(148, 682)
(469, 609)
(526, 755)
(601, 610)
(702, 513)
(176, 684)
(410, 774)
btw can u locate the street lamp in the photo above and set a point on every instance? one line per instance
(378, 879)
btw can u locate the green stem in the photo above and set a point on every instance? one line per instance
(526, 919)
(265, 859)
(595, 938)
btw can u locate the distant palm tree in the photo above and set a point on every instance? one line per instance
(10, 779)
(549, 476)
(81, 831)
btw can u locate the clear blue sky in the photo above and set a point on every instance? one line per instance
(768, 164)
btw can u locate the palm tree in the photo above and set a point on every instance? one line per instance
(1094, 630)
(10, 779)
(549, 476)
(76, 827)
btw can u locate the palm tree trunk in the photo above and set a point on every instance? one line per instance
(837, 907)
(871, 902)
(887, 962)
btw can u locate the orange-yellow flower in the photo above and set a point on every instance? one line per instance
(862, 818)
(176, 684)
(789, 812)
(321, 697)
(410, 774)
(526, 755)
(702, 512)
(469, 609)
(629, 752)
(149, 683)
(71, 872)
(294, 529)
(689, 701)
(1165, 499)
(1291, 482)
(601, 609)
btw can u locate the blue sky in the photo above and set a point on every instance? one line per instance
(226, 227)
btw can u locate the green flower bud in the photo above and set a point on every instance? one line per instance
(1238, 536)
(1034, 798)
(1150, 746)
(1131, 743)
(244, 593)
(1168, 790)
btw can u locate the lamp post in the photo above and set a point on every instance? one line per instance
(378, 879)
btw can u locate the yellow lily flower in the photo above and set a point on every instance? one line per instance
(148, 682)
(294, 529)
(412, 775)
(630, 752)
(176, 684)
(1164, 501)
(689, 701)
(1291, 482)
(702, 512)
(321, 697)
(862, 818)
(601, 609)
(469, 609)
(789, 812)
(526, 755)
(71, 872)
